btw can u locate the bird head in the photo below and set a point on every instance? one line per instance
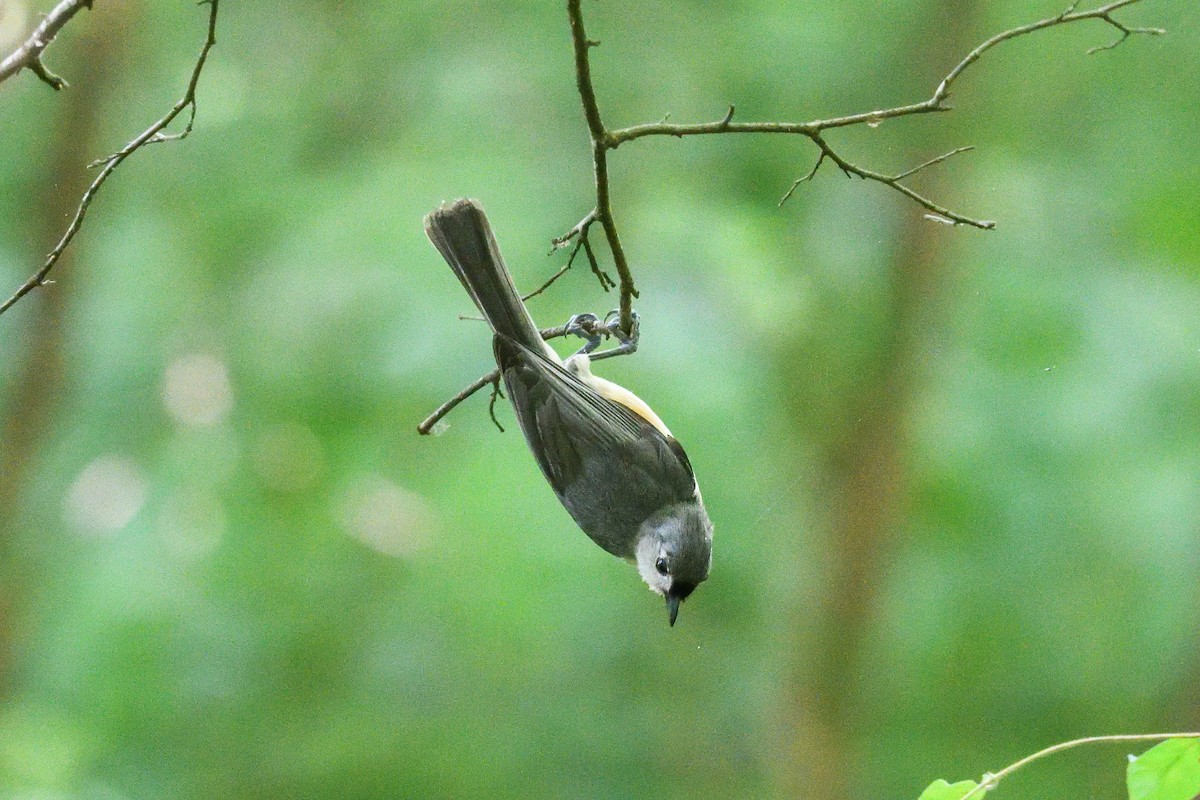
(674, 552)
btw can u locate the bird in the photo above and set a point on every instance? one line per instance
(611, 461)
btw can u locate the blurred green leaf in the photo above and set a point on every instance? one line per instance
(1167, 771)
(941, 790)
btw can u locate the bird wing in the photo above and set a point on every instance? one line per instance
(563, 418)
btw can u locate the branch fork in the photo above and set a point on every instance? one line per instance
(29, 54)
(604, 139)
(813, 129)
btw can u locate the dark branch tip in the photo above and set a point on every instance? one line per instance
(1126, 31)
(39, 68)
(496, 392)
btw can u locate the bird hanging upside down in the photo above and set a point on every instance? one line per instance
(611, 461)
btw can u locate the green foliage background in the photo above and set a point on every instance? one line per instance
(955, 475)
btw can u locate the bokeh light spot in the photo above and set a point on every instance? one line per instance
(384, 516)
(106, 496)
(196, 390)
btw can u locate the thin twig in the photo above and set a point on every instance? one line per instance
(606, 281)
(990, 780)
(109, 164)
(579, 229)
(1069, 15)
(894, 182)
(29, 54)
(581, 243)
(812, 173)
(562, 271)
(932, 161)
(445, 408)
(1126, 32)
(579, 233)
(492, 403)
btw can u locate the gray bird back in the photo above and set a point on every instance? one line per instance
(611, 468)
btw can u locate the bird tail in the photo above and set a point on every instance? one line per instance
(461, 233)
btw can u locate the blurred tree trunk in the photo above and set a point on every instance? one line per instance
(86, 55)
(864, 473)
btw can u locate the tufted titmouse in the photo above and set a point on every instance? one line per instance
(609, 458)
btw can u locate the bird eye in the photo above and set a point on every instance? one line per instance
(661, 566)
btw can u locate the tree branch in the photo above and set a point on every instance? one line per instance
(580, 234)
(935, 103)
(110, 163)
(604, 140)
(601, 144)
(29, 55)
(894, 182)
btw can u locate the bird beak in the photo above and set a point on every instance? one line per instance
(672, 607)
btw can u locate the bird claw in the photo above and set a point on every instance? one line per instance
(592, 330)
(628, 341)
(585, 327)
